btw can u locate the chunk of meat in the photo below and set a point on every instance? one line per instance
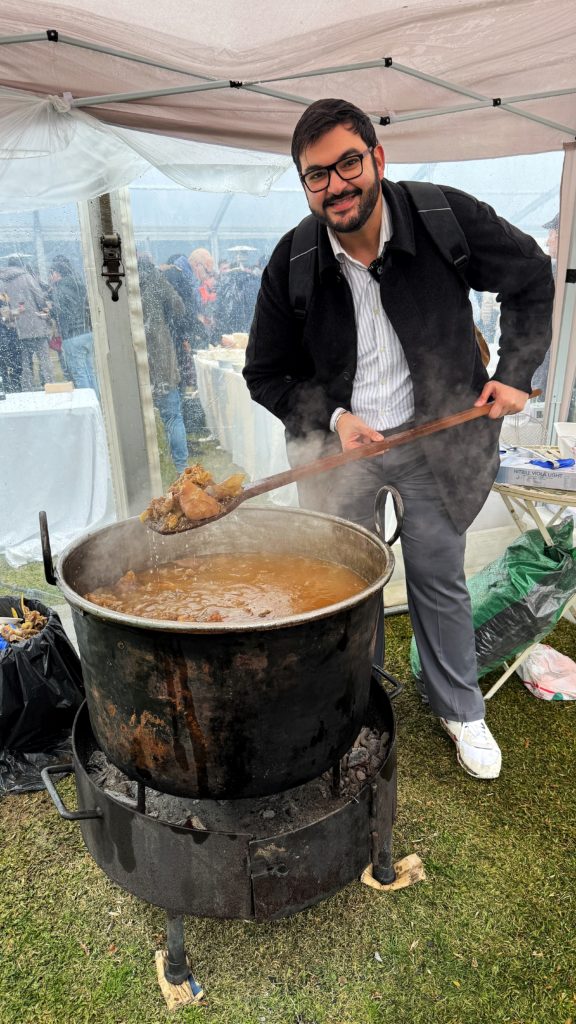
(196, 503)
(229, 488)
(194, 496)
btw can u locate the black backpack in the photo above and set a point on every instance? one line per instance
(439, 220)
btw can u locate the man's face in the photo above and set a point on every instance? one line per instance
(552, 243)
(344, 205)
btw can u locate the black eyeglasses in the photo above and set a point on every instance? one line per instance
(348, 168)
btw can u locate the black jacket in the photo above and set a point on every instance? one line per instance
(302, 375)
(71, 306)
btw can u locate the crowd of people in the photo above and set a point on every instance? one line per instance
(188, 304)
(40, 318)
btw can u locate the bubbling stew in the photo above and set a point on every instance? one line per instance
(230, 588)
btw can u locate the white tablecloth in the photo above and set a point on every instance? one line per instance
(253, 437)
(53, 457)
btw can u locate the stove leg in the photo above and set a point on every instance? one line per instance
(381, 841)
(179, 987)
(382, 867)
(177, 969)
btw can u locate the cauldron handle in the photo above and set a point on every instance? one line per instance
(46, 549)
(380, 509)
(64, 769)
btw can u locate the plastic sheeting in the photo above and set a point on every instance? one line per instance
(484, 49)
(518, 599)
(51, 154)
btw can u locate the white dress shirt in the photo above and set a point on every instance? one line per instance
(382, 389)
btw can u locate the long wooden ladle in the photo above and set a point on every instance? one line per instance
(365, 451)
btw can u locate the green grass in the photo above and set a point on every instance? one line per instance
(489, 938)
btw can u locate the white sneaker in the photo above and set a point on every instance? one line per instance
(476, 749)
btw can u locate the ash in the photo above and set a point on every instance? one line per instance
(260, 816)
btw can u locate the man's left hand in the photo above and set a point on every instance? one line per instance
(504, 400)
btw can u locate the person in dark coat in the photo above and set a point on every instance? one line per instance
(188, 334)
(70, 308)
(160, 305)
(388, 342)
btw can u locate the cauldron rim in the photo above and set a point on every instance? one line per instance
(175, 626)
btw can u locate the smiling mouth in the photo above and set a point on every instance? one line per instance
(342, 199)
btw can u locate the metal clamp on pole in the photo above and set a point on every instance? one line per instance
(112, 266)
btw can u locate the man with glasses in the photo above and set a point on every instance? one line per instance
(387, 341)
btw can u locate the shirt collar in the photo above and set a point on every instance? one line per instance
(385, 233)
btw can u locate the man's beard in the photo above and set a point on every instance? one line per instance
(368, 200)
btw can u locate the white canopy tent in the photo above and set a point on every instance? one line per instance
(94, 93)
(444, 78)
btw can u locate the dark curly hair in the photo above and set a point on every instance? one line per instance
(62, 265)
(323, 115)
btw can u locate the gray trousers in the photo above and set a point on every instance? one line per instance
(433, 550)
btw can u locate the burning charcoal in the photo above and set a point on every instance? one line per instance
(364, 738)
(358, 756)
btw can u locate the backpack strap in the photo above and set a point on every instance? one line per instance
(437, 216)
(440, 222)
(303, 262)
(445, 231)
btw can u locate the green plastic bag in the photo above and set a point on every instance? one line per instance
(518, 599)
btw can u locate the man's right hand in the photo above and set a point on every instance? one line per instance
(353, 432)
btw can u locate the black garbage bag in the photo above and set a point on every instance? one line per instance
(41, 690)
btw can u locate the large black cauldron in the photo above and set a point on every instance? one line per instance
(211, 710)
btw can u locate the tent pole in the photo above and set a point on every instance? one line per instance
(538, 95)
(124, 97)
(121, 360)
(557, 405)
(415, 115)
(98, 48)
(257, 86)
(31, 37)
